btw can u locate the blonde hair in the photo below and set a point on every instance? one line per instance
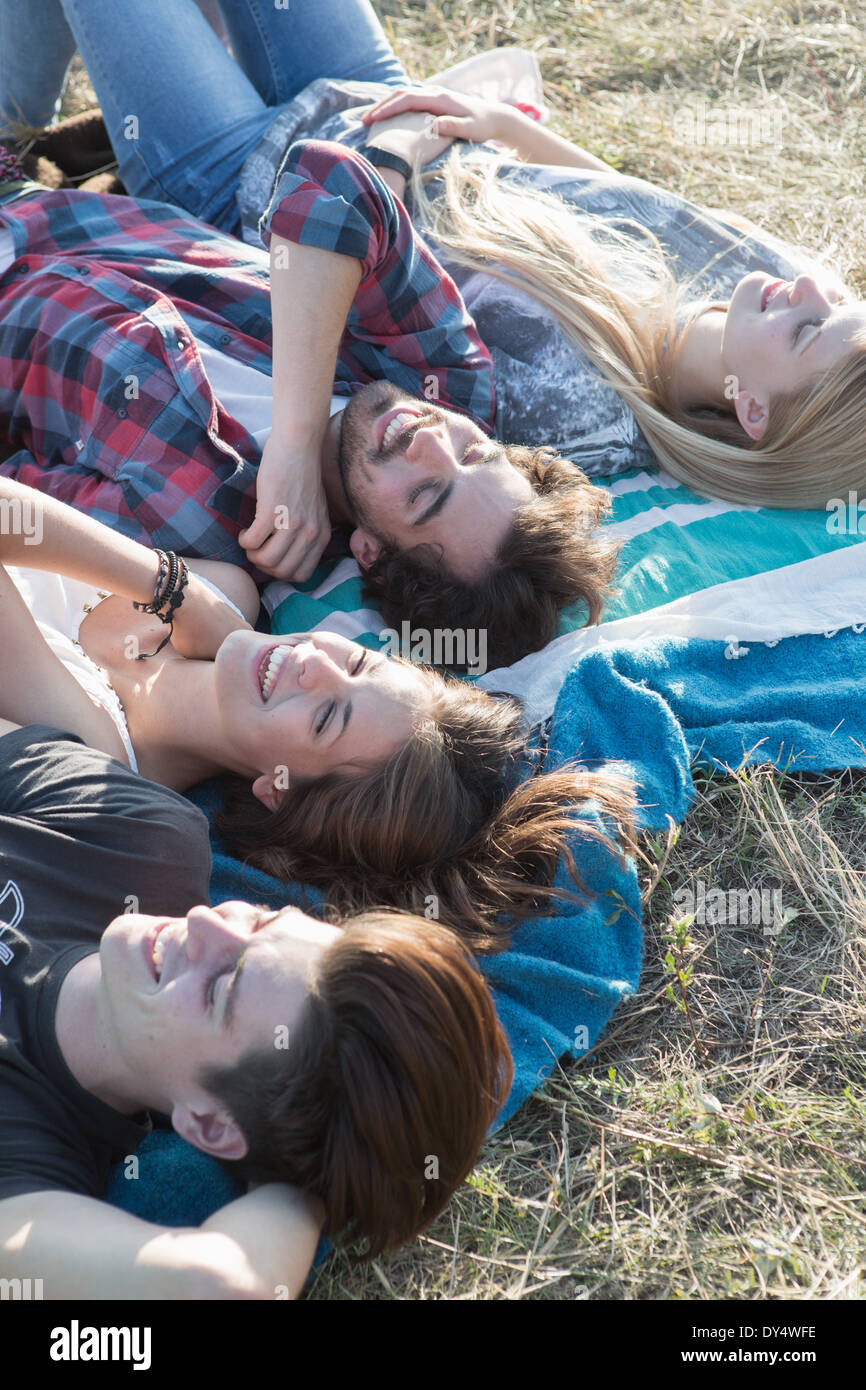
(620, 304)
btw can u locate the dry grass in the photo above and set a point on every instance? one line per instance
(714, 1146)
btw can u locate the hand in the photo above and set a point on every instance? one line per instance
(291, 526)
(458, 117)
(202, 623)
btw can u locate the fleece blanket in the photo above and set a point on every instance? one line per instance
(737, 634)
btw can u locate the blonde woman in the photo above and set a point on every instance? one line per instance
(735, 359)
(627, 325)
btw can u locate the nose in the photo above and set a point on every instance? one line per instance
(804, 293)
(213, 932)
(430, 448)
(317, 670)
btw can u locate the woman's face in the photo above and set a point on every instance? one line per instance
(781, 335)
(297, 706)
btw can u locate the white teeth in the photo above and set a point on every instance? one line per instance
(277, 657)
(158, 954)
(398, 424)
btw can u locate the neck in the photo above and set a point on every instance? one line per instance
(699, 378)
(335, 494)
(86, 1042)
(175, 726)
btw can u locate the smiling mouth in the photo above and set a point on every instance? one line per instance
(400, 423)
(769, 292)
(269, 669)
(157, 952)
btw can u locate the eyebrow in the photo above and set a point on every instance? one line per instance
(347, 715)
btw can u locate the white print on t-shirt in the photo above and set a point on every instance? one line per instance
(14, 892)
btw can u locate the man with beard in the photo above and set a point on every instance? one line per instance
(142, 383)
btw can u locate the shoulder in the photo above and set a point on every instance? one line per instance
(232, 582)
(47, 773)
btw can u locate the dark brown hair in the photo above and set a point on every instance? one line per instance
(445, 828)
(381, 1101)
(552, 557)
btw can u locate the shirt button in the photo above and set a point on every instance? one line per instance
(84, 269)
(181, 342)
(122, 413)
(225, 338)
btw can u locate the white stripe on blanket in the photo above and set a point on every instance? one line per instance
(822, 594)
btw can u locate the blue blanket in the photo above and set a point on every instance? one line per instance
(653, 707)
(799, 704)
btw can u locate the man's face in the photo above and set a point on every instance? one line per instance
(417, 474)
(188, 993)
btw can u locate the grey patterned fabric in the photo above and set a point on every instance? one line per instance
(546, 392)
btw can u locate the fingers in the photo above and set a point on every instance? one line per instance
(436, 102)
(290, 553)
(458, 127)
(254, 537)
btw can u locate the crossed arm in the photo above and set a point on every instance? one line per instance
(260, 1246)
(35, 686)
(401, 123)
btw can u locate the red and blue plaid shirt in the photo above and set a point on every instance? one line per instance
(103, 397)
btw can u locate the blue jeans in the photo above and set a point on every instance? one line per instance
(36, 48)
(182, 113)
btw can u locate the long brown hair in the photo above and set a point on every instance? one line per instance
(381, 1101)
(452, 826)
(555, 554)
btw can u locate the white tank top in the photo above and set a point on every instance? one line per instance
(59, 607)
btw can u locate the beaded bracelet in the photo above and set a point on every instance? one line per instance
(169, 593)
(158, 600)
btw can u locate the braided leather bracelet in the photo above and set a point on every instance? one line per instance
(169, 593)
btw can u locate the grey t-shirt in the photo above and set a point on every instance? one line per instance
(82, 839)
(546, 391)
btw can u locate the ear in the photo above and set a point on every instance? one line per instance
(212, 1131)
(365, 548)
(753, 413)
(265, 792)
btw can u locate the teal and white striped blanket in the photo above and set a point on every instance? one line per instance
(689, 567)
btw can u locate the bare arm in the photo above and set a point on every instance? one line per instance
(41, 533)
(469, 118)
(311, 295)
(258, 1247)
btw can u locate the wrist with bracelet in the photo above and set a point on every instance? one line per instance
(168, 595)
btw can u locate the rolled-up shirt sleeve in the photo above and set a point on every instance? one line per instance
(408, 323)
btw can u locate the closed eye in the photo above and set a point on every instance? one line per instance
(325, 718)
(807, 323)
(264, 918)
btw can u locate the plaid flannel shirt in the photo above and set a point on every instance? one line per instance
(103, 398)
